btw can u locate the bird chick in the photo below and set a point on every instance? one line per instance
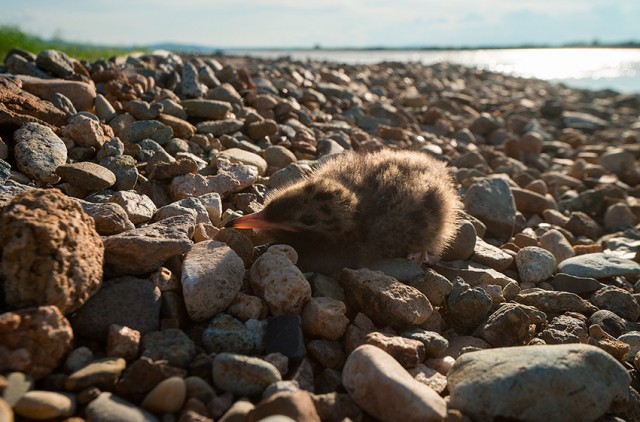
(356, 209)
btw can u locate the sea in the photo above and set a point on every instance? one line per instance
(615, 69)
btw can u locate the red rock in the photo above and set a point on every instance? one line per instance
(18, 107)
(34, 340)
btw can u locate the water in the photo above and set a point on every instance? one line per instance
(589, 68)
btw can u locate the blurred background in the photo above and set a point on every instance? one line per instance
(591, 44)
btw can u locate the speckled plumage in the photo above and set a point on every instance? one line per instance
(356, 209)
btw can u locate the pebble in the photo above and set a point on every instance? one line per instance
(599, 266)
(152, 245)
(507, 326)
(384, 299)
(109, 218)
(101, 373)
(527, 383)
(491, 256)
(171, 345)
(109, 407)
(86, 131)
(573, 284)
(206, 109)
(43, 228)
(227, 334)
(166, 397)
(139, 208)
(15, 386)
(123, 342)
(385, 390)
(243, 375)
(39, 152)
(125, 170)
(466, 306)
(276, 279)
(619, 216)
(464, 243)
(87, 176)
(555, 302)
(408, 352)
(324, 317)
(81, 94)
(127, 301)
(556, 243)
(278, 157)
(212, 276)
(41, 405)
(535, 264)
(491, 201)
(284, 407)
(617, 300)
(237, 155)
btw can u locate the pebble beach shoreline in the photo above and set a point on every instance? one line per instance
(125, 298)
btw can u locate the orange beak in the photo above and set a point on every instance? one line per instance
(258, 222)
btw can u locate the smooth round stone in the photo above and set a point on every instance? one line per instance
(555, 242)
(39, 152)
(103, 373)
(206, 109)
(535, 264)
(45, 405)
(384, 389)
(552, 383)
(243, 375)
(109, 407)
(237, 155)
(166, 397)
(86, 175)
(278, 156)
(598, 266)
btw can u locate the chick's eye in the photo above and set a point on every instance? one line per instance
(308, 219)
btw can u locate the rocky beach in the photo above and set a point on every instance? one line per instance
(124, 297)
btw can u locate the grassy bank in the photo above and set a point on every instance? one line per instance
(13, 37)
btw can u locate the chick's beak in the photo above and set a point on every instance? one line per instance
(258, 222)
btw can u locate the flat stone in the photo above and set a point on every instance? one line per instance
(554, 302)
(598, 266)
(81, 94)
(39, 152)
(18, 107)
(103, 373)
(408, 352)
(152, 245)
(139, 208)
(87, 176)
(562, 383)
(56, 62)
(206, 109)
(573, 284)
(528, 202)
(237, 155)
(41, 405)
(385, 390)
(220, 127)
(147, 129)
(617, 300)
(491, 256)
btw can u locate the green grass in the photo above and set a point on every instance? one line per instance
(13, 37)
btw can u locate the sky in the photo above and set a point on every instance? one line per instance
(327, 23)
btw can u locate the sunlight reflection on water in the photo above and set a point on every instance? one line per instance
(592, 68)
